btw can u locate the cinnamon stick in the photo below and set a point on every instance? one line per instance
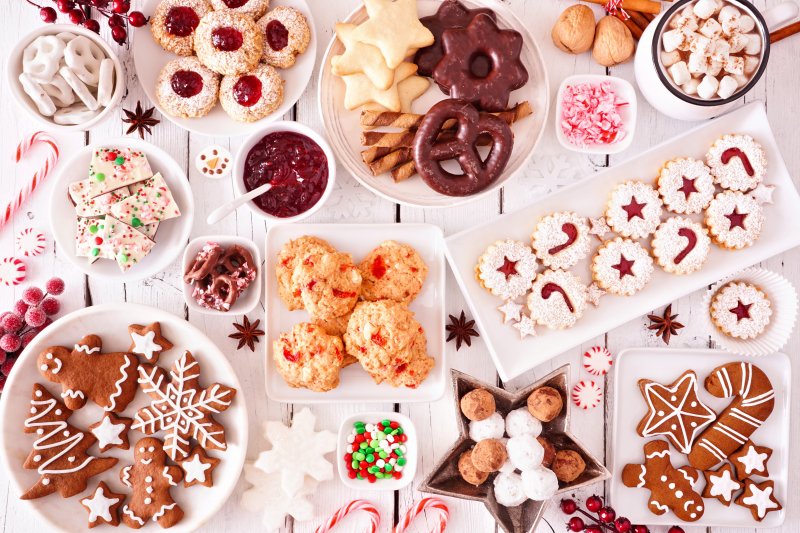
(638, 19)
(649, 16)
(783, 33)
(635, 30)
(642, 6)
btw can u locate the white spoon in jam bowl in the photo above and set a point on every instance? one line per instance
(226, 209)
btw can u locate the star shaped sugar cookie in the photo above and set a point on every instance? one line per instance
(360, 58)
(359, 90)
(408, 90)
(199, 468)
(148, 341)
(674, 411)
(103, 506)
(394, 28)
(112, 432)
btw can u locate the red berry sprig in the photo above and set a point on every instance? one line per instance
(27, 318)
(603, 518)
(118, 13)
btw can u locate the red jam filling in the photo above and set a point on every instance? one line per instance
(634, 209)
(624, 267)
(247, 91)
(742, 310)
(378, 339)
(227, 39)
(233, 4)
(571, 232)
(181, 21)
(730, 153)
(296, 167)
(736, 218)
(550, 289)
(378, 267)
(691, 236)
(186, 83)
(277, 35)
(289, 356)
(509, 267)
(343, 294)
(688, 187)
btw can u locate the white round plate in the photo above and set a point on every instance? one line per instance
(344, 132)
(149, 58)
(111, 323)
(171, 236)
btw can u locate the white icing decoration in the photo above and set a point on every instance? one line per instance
(69, 393)
(164, 509)
(753, 461)
(118, 385)
(145, 344)
(761, 499)
(195, 469)
(130, 513)
(84, 348)
(723, 485)
(108, 433)
(148, 501)
(99, 506)
(126, 476)
(55, 427)
(169, 478)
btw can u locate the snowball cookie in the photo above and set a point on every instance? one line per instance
(568, 465)
(539, 484)
(489, 428)
(468, 472)
(508, 490)
(549, 451)
(478, 404)
(489, 455)
(545, 403)
(521, 422)
(525, 452)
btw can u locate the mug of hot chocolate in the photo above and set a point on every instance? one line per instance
(699, 57)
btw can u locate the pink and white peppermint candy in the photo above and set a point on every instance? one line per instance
(597, 360)
(587, 394)
(30, 242)
(12, 271)
(355, 505)
(433, 504)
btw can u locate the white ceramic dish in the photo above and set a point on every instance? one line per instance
(14, 69)
(256, 136)
(781, 232)
(359, 239)
(625, 92)
(249, 299)
(664, 366)
(412, 451)
(111, 322)
(171, 236)
(149, 58)
(344, 131)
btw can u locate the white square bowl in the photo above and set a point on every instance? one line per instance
(248, 300)
(628, 113)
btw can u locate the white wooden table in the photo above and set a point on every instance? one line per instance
(550, 168)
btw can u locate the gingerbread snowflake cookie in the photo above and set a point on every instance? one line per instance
(151, 479)
(685, 185)
(740, 310)
(148, 341)
(507, 269)
(721, 484)
(681, 245)
(737, 162)
(734, 220)
(560, 240)
(622, 267)
(634, 209)
(557, 299)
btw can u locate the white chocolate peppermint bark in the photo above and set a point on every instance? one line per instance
(99, 205)
(111, 169)
(150, 201)
(129, 246)
(91, 239)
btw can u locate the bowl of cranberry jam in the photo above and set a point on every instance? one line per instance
(296, 161)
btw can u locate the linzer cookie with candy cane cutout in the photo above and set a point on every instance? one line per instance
(507, 269)
(561, 239)
(557, 299)
(681, 245)
(685, 185)
(738, 162)
(734, 220)
(622, 267)
(634, 209)
(741, 310)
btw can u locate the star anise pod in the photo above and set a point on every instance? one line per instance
(247, 333)
(665, 326)
(140, 120)
(462, 330)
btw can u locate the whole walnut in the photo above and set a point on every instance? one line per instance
(613, 42)
(573, 32)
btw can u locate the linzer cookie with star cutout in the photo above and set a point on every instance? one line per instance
(560, 240)
(634, 209)
(737, 162)
(681, 245)
(622, 267)
(734, 220)
(507, 269)
(741, 310)
(685, 185)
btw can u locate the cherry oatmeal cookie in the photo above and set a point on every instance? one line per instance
(392, 271)
(337, 326)
(228, 42)
(251, 96)
(419, 365)
(309, 358)
(292, 253)
(329, 284)
(186, 88)
(173, 24)
(286, 36)
(252, 8)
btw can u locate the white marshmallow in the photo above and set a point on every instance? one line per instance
(670, 58)
(697, 63)
(59, 90)
(680, 73)
(704, 8)
(81, 90)
(711, 28)
(742, 80)
(672, 39)
(720, 50)
(727, 86)
(720, 5)
(728, 12)
(734, 65)
(690, 87)
(699, 43)
(42, 100)
(708, 87)
(713, 67)
(750, 64)
(746, 23)
(74, 114)
(731, 27)
(753, 44)
(105, 84)
(737, 41)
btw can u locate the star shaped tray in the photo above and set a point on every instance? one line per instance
(445, 479)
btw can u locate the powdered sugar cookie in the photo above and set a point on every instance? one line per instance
(29, 242)
(228, 42)
(737, 162)
(286, 36)
(526, 327)
(173, 24)
(734, 220)
(587, 394)
(622, 267)
(392, 271)
(634, 209)
(597, 360)
(253, 8)
(252, 95)
(511, 311)
(557, 299)
(186, 88)
(308, 357)
(740, 310)
(539, 483)
(685, 185)
(509, 490)
(681, 245)
(560, 240)
(507, 269)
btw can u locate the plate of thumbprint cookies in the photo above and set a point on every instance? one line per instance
(219, 67)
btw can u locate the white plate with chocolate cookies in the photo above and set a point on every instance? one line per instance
(74, 417)
(377, 94)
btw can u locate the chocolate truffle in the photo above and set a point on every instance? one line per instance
(469, 473)
(545, 403)
(489, 455)
(549, 451)
(478, 404)
(568, 465)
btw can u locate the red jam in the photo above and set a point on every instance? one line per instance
(691, 237)
(181, 21)
(508, 268)
(186, 83)
(296, 167)
(730, 153)
(247, 91)
(277, 35)
(571, 232)
(227, 39)
(233, 4)
(550, 289)
(378, 267)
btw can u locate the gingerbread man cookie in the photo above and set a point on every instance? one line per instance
(151, 480)
(670, 488)
(85, 373)
(103, 506)
(148, 341)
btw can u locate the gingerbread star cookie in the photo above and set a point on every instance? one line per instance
(759, 498)
(199, 467)
(359, 90)
(103, 506)
(721, 484)
(360, 58)
(112, 432)
(394, 28)
(751, 460)
(148, 341)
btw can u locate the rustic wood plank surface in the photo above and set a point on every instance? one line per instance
(550, 168)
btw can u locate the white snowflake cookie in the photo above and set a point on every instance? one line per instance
(634, 209)
(740, 310)
(681, 245)
(561, 240)
(507, 269)
(737, 162)
(685, 185)
(734, 220)
(557, 299)
(622, 267)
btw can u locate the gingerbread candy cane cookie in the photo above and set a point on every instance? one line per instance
(753, 403)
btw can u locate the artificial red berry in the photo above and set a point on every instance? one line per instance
(35, 317)
(92, 25)
(32, 295)
(99, 3)
(121, 6)
(10, 342)
(6, 367)
(675, 529)
(48, 14)
(568, 506)
(119, 34)
(3, 357)
(76, 16)
(622, 525)
(606, 515)
(65, 5)
(575, 524)
(55, 286)
(641, 529)
(12, 322)
(50, 306)
(594, 503)
(137, 19)
(28, 336)
(593, 529)
(20, 307)
(115, 20)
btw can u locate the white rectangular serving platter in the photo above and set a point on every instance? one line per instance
(665, 366)
(359, 239)
(513, 355)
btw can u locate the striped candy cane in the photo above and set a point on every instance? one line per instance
(355, 505)
(425, 503)
(38, 177)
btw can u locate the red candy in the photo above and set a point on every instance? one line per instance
(590, 114)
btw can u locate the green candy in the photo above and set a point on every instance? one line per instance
(363, 446)
(359, 476)
(381, 435)
(100, 176)
(398, 451)
(93, 228)
(399, 431)
(135, 222)
(122, 258)
(358, 423)
(359, 456)
(360, 430)
(388, 467)
(401, 461)
(386, 422)
(372, 469)
(119, 160)
(355, 465)
(369, 449)
(370, 458)
(95, 252)
(379, 475)
(395, 432)
(382, 454)
(374, 443)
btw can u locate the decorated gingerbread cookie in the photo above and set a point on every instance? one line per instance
(151, 480)
(103, 506)
(148, 341)
(112, 432)
(759, 498)
(751, 460)
(721, 484)
(86, 373)
(199, 468)
(671, 489)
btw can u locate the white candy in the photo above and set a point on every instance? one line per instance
(672, 40)
(81, 90)
(539, 484)
(711, 28)
(105, 84)
(737, 41)
(59, 90)
(84, 57)
(489, 428)
(734, 65)
(720, 50)
(670, 58)
(708, 87)
(705, 8)
(680, 73)
(521, 422)
(750, 64)
(74, 114)
(40, 58)
(690, 87)
(697, 64)
(753, 44)
(507, 467)
(525, 452)
(713, 68)
(746, 23)
(699, 43)
(727, 86)
(34, 90)
(508, 490)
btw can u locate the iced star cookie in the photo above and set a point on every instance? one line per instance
(734, 220)
(228, 42)
(392, 271)
(759, 498)
(685, 185)
(507, 269)
(112, 432)
(199, 468)
(740, 310)
(329, 284)
(737, 162)
(292, 253)
(186, 88)
(557, 300)
(680, 245)
(307, 357)
(751, 460)
(286, 36)
(173, 24)
(560, 240)
(103, 506)
(622, 267)
(253, 95)
(721, 484)
(634, 209)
